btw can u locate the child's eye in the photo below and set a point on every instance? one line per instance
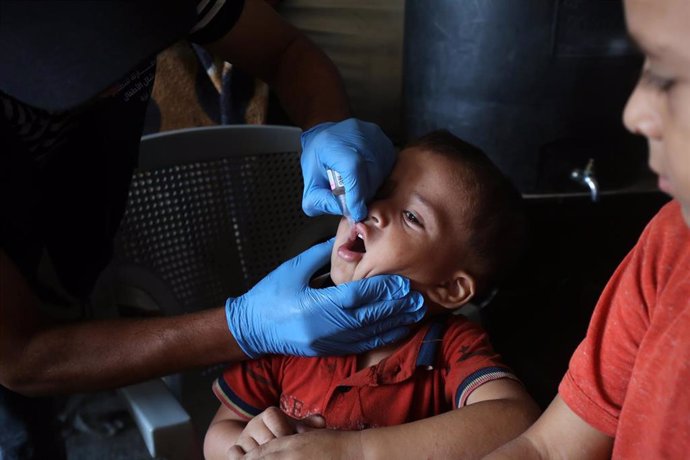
(410, 217)
(658, 82)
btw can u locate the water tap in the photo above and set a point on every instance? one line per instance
(586, 177)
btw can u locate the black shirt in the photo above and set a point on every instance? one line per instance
(64, 176)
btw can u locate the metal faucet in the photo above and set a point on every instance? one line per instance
(586, 178)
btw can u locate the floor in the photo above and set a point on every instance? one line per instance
(101, 428)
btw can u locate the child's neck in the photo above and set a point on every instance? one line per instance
(375, 356)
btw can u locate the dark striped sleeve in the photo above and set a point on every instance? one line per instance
(470, 360)
(249, 387)
(214, 19)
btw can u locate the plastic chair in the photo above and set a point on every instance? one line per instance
(210, 212)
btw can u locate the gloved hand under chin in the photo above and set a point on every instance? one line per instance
(358, 150)
(283, 315)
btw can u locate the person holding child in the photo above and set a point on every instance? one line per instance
(450, 222)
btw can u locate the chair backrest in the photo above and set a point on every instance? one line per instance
(210, 212)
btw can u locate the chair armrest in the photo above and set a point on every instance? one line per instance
(165, 426)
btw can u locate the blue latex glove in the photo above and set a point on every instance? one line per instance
(358, 150)
(283, 315)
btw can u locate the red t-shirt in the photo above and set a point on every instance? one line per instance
(630, 376)
(432, 372)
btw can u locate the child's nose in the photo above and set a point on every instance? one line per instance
(377, 216)
(641, 115)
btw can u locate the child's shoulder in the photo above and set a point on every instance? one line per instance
(451, 335)
(460, 323)
(462, 333)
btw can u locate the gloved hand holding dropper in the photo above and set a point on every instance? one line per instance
(359, 151)
(282, 314)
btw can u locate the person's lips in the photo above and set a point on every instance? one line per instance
(354, 248)
(664, 185)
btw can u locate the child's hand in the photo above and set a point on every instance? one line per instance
(332, 444)
(270, 424)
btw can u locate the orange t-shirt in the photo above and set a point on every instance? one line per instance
(630, 376)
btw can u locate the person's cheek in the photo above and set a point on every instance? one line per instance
(336, 273)
(677, 159)
(343, 230)
(386, 256)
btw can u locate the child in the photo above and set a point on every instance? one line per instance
(448, 220)
(625, 393)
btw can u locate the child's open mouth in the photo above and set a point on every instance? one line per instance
(354, 248)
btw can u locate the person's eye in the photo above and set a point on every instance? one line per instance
(412, 218)
(658, 82)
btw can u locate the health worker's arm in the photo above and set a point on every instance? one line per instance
(39, 357)
(558, 434)
(304, 78)
(495, 413)
(312, 93)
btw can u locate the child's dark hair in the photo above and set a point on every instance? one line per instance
(495, 220)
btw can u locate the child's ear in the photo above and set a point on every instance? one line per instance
(455, 292)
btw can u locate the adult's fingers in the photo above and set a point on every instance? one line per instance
(369, 290)
(371, 301)
(356, 181)
(320, 200)
(314, 258)
(377, 335)
(408, 310)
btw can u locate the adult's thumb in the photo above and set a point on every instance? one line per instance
(305, 264)
(320, 200)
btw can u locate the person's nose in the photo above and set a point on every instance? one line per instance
(641, 115)
(378, 215)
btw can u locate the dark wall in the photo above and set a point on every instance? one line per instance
(541, 314)
(540, 85)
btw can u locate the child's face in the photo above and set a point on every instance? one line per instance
(659, 107)
(412, 229)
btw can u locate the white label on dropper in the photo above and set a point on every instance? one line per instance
(336, 182)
